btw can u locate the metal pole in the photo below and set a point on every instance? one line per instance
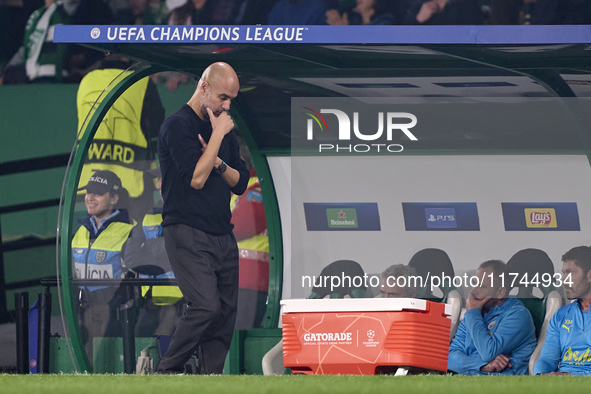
(21, 305)
(44, 331)
(3, 308)
(128, 333)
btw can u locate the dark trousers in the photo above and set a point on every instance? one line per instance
(206, 270)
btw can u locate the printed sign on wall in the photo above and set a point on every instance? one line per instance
(462, 216)
(549, 216)
(342, 216)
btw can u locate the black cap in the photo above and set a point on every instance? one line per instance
(102, 182)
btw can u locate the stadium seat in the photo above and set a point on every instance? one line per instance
(435, 262)
(340, 269)
(531, 262)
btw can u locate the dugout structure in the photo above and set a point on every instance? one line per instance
(536, 78)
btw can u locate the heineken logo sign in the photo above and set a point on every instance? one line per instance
(342, 217)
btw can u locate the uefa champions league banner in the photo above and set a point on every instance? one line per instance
(138, 34)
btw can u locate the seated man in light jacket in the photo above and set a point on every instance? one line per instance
(567, 347)
(497, 335)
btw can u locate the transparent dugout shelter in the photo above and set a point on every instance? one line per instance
(502, 127)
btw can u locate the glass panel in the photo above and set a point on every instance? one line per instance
(122, 280)
(365, 195)
(250, 230)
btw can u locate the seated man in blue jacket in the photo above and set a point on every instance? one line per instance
(497, 334)
(566, 349)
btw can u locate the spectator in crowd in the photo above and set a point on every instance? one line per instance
(42, 60)
(39, 59)
(399, 281)
(505, 12)
(561, 12)
(81, 59)
(143, 12)
(367, 12)
(497, 334)
(193, 12)
(567, 347)
(97, 249)
(444, 12)
(298, 12)
(242, 12)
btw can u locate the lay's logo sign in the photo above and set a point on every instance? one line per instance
(540, 218)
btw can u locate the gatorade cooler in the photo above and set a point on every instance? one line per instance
(364, 336)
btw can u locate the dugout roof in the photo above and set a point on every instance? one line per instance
(377, 61)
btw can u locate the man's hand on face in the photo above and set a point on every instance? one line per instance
(499, 364)
(474, 303)
(223, 123)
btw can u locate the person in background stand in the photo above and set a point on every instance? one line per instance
(146, 256)
(250, 230)
(367, 12)
(395, 275)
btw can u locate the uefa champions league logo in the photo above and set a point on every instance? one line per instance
(370, 335)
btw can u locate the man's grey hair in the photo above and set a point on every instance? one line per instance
(398, 270)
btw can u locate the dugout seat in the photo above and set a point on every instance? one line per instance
(340, 269)
(531, 262)
(435, 262)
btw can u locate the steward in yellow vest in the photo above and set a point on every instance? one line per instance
(97, 249)
(125, 142)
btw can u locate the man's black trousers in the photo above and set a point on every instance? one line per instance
(206, 269)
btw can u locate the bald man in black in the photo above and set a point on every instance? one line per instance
(201, 167)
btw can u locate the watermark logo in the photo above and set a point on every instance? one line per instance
(342, 217)
(345, 125)
(374, 129)
(95, 33)
(317, 117)
(540, 218)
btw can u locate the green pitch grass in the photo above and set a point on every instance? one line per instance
(300, 384)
